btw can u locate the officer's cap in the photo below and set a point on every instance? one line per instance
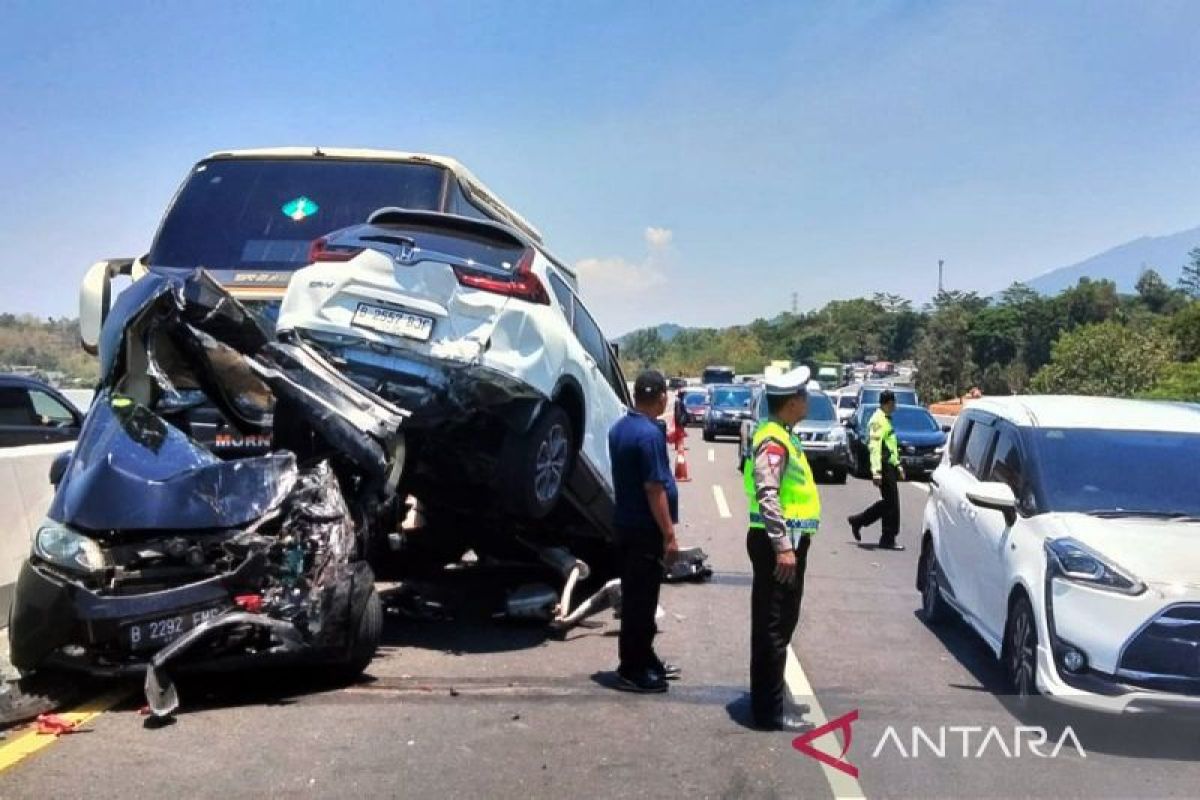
(789, 383)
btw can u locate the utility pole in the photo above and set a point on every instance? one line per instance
(940, 263)
(795, 302)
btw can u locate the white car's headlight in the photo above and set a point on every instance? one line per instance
(837, 435)
(66, 548)
(1070, 559)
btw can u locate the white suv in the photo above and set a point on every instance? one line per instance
(1066, 532)
(474, 328)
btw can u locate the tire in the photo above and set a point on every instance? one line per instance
(1020, 649)
(538, 464)
(709, 436)
(862, 469)
(368, 629)
(837, 475)
(934, 608)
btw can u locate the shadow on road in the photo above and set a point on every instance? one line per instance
(1155, 736)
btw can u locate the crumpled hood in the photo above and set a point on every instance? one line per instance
(133, 471)
(1154, 550)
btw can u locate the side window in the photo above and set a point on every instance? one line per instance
(1006, 462)
(592, 339)
(16, 407)
(979, 444)
(46, 406)
(566, 300)
(958, 439)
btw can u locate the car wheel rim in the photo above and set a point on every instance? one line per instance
(551, 464)
(1023, 654)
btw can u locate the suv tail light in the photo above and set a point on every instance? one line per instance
(522, 284)
(322, 250)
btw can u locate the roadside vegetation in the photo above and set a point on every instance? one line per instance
(50, 345)
(1088, 339)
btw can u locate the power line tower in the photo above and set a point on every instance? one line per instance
(795, 302)
(940, 264)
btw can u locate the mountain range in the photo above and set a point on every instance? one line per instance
(1124, 263)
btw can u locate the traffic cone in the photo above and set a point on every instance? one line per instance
(681, 467)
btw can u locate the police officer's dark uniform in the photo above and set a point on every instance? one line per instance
(886, 471)
(785, 512)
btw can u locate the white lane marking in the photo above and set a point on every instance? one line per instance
(924, 487)
(712, 455)
(843, 785)
(722, 506)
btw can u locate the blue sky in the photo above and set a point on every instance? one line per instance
(699, 162)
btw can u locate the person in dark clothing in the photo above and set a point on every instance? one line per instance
(886, 473)
(647, 508)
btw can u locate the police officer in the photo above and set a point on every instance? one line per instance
(886, 473)
(784, 514)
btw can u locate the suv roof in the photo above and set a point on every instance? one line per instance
(1108, 413)
(475, 187)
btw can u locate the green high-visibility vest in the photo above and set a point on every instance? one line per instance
(797, 489)
(882, 434)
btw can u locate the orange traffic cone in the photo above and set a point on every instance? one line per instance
(681, 467)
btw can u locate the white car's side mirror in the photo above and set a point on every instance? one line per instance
(995, 496)
(95, 299)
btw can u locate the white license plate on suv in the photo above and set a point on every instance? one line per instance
(397, 323)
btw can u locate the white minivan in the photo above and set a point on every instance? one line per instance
(1066, 532)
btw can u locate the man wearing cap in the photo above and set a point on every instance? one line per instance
(647, 508)
(785, 512)
(886, 471)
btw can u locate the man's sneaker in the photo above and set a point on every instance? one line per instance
(855, 529)
(644, 682)
(890, 546)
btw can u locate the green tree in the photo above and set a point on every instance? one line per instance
(1106, 358)
(1185, 327)
(1153, 291)
(1177, 382)
(943, 354)
(1189, 282)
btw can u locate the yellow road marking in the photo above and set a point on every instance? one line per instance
(27, 744)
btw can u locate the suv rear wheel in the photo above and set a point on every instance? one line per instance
(538, 463)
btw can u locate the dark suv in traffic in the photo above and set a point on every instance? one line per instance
(728, 406)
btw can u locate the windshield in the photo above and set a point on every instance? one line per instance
(847, 401)
(904, 397)
(1078, 471)
(820, 408)
(726, 397)
(264, 214)
(917, 420)
(695, 399)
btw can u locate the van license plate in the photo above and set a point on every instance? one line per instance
(397, 323)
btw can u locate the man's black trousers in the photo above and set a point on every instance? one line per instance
(774, 612)
(887, 508)
(641, 569)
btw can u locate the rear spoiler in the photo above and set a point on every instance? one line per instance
(394, 215)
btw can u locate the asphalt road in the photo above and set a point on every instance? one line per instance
(473, 708)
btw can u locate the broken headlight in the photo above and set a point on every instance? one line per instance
(66, 548)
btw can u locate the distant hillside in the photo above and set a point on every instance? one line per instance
(666, 331)
(1123, 264)
(45, 347)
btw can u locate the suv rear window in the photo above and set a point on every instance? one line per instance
(264, 213)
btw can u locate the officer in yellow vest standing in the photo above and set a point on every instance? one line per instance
(785, 511)
(886, 471)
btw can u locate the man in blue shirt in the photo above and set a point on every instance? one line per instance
(647, 508)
